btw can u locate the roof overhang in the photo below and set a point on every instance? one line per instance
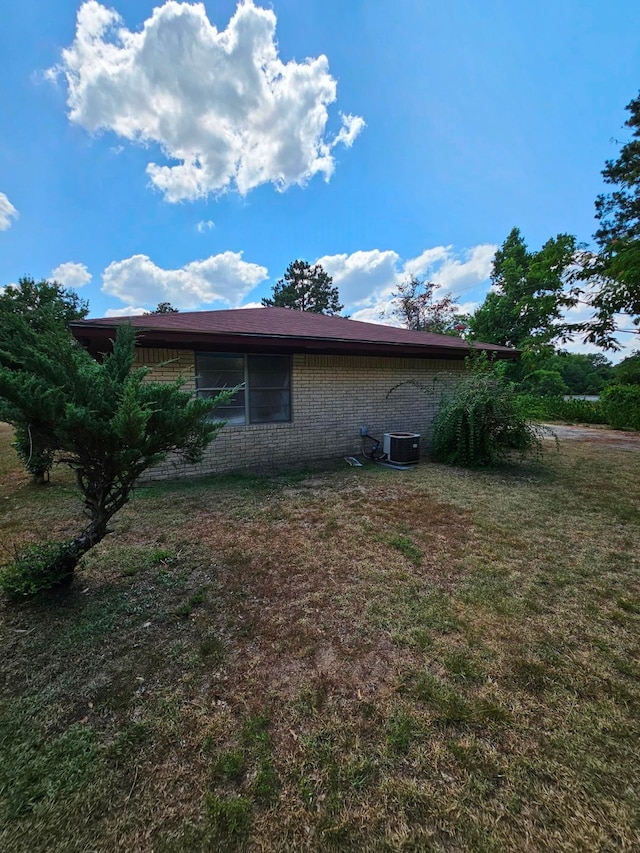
(97, 339)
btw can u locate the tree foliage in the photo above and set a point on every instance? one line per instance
(40, 302)
(164, 308)
(627, 372)
(44, 307)
(615, 271)
(414, 305)
(580, 373)
(480, 424)
(102, 419)
(525, 308)
(546, 383)
(621, 405)
(305, 288)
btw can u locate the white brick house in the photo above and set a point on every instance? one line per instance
(308, 382)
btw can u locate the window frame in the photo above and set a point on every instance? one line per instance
(245, 385)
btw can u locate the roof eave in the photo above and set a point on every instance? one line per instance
(98, 335)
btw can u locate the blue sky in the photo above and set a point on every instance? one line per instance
(189, 153)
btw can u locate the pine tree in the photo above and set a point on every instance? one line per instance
(305, 288)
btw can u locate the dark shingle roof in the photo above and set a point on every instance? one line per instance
(286, 326)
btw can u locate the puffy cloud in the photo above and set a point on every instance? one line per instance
(222, 104)
(453, 274)
(361, 276)
(129, 311)
(71, 274)
(366, 279)
(7, 212)
(426, 260)
(220, 278)
(376, 314)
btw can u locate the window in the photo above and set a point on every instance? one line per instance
(265, 395)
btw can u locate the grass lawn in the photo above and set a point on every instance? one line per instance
(341, 659)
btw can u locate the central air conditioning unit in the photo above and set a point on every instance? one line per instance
(401, 448)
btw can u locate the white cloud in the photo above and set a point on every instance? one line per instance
(362, 276)
(366, 279)
(457, 276)
(220, 278)
(468, 307)
(376, 314)
(129, 311)
(221, 103)
(71, 274)
(205, 225)
(7, 212)
(426, 260)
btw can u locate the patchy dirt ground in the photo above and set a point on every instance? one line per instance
(331, 660)
(597, 435)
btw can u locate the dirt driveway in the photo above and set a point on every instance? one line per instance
(597, 435)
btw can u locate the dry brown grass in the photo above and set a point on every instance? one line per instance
(337, 659)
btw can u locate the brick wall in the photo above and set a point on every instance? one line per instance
(332, 397)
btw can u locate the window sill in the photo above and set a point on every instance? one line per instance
(257, 427)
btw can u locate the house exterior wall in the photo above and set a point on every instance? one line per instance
(331, 398)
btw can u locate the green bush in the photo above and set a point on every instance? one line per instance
(36, 568)
(575, 411)
(621, 406)
(480, 423)
(532, 407)
(559, 409)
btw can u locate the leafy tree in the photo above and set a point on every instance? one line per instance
(546, 383)
(305, 288)
(627, 372)
(164, 308)
(102, 419)
(525, 307)
(42, 305)
(414, 305)
(584, 373)
(42, 301)
(580, 373)
(615, 271)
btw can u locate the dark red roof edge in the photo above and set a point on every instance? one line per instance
(96, 334)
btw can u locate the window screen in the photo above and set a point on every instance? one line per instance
(218, 373)
(269, 388)
(265, 395)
